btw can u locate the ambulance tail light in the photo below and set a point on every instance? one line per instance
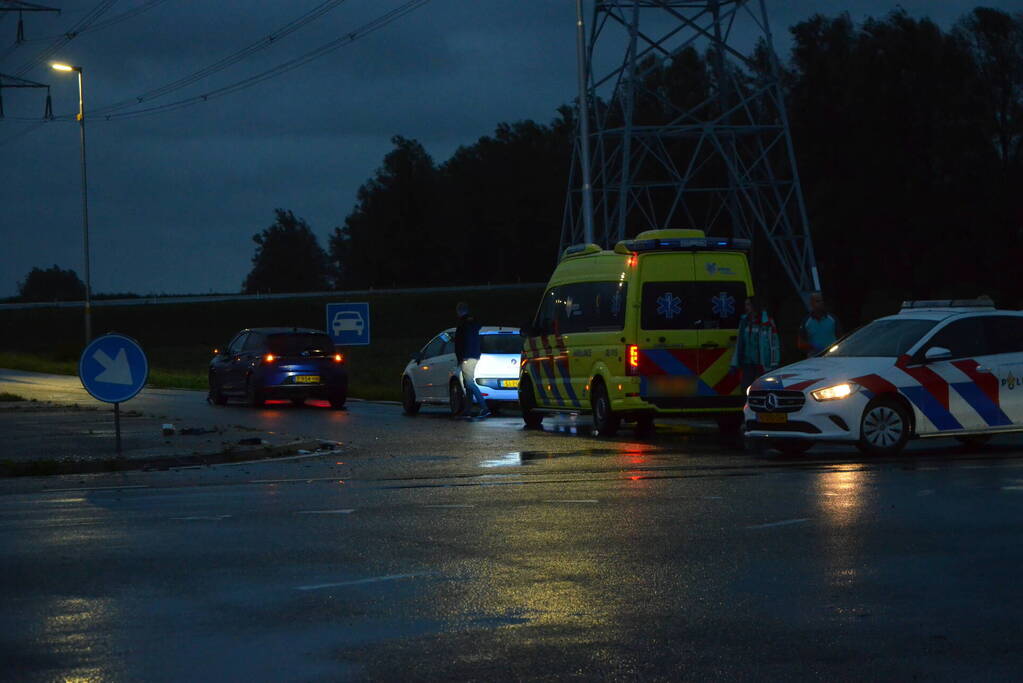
(631, 360)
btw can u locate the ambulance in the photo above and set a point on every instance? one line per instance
(949, 368)
(644, 330)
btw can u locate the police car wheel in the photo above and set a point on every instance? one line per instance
(527, 404)
(605, 422)
(408, 398)
(884, 428)
(456, 398)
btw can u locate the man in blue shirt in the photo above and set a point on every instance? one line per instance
(819, 330)
(467, 353)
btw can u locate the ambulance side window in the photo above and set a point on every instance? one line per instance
(590, 307)
(1005, 333)
(963, 338)
(545, 321)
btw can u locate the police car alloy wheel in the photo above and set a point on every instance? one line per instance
(884, 428)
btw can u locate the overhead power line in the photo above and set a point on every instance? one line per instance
(233, 58)
(91, 16)
(116, 19)
(347, 39)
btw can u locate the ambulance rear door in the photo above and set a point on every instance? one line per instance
(720, 292)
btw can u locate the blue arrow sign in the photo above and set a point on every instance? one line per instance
(348, 324)
(113, 368)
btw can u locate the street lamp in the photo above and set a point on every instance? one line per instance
(85, 199)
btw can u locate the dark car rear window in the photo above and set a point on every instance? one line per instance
(294, 343)
(500, 343)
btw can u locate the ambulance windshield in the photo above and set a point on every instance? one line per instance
(882, 338)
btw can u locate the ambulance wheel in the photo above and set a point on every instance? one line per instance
(527, 404)
(884, 427)
(456, 398)
(978, 441)
(409, 404)
(605, 422)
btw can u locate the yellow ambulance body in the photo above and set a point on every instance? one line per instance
(644, 330)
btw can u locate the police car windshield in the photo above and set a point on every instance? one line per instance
(500, 343)
(884, 338)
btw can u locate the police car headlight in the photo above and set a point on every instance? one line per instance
(836, 392)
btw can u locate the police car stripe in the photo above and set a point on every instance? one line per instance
(980, 402)
(985, 381)
(931, 408)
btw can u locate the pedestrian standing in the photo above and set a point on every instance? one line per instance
(467, 353)
(819, 330)
(757, 347)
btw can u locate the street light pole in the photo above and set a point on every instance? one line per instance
(85, 199)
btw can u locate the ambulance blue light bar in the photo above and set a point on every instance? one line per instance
(687, 244)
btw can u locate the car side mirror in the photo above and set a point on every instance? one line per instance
(937, 353)
(416, 357)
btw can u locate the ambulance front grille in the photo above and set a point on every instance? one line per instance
(787, 401)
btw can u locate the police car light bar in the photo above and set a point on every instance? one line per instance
(979, 302)
(687, 244)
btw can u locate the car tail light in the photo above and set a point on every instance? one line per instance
(339, 358)
(269, 358)
(631, 359)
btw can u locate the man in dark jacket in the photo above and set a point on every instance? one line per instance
(467, 353)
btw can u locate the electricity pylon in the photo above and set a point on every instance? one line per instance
(675, 144)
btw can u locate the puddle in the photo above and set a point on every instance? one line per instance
(522, 458)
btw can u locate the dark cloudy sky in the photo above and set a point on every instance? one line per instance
(176, 197)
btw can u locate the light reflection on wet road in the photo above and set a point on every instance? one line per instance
(437, 549)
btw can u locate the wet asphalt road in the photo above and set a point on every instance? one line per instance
(436, 549)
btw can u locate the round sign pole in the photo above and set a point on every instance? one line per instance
(113, 369)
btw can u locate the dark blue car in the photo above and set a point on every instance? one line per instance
(279, 362)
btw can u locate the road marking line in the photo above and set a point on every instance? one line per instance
(103, 488)
(326, 512)
(449, 506)
(275, 481)
(1012, 488)
(211, 518)
(783, 523)
(570, 501)
(358, 582)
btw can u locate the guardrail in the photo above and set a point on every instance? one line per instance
(150, 301)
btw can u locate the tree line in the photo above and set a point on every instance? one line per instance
(909, 143)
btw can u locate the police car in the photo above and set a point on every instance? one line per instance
(950, 368)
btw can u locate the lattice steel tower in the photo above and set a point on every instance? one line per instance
(680, 141)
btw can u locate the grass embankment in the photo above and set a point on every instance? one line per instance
(179, 338)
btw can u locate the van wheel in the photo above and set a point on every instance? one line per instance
(408, 398)
(884, 427)
(605, 422)
(527, 403)
(456, 398)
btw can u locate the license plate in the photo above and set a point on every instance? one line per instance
(307, 379)
(773, 418)
(510, 383)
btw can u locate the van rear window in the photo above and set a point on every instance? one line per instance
(692, 305)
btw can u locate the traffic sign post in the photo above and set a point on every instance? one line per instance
(113, 369)
(348, 324)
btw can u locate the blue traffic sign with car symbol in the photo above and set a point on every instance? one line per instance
(348, 324)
